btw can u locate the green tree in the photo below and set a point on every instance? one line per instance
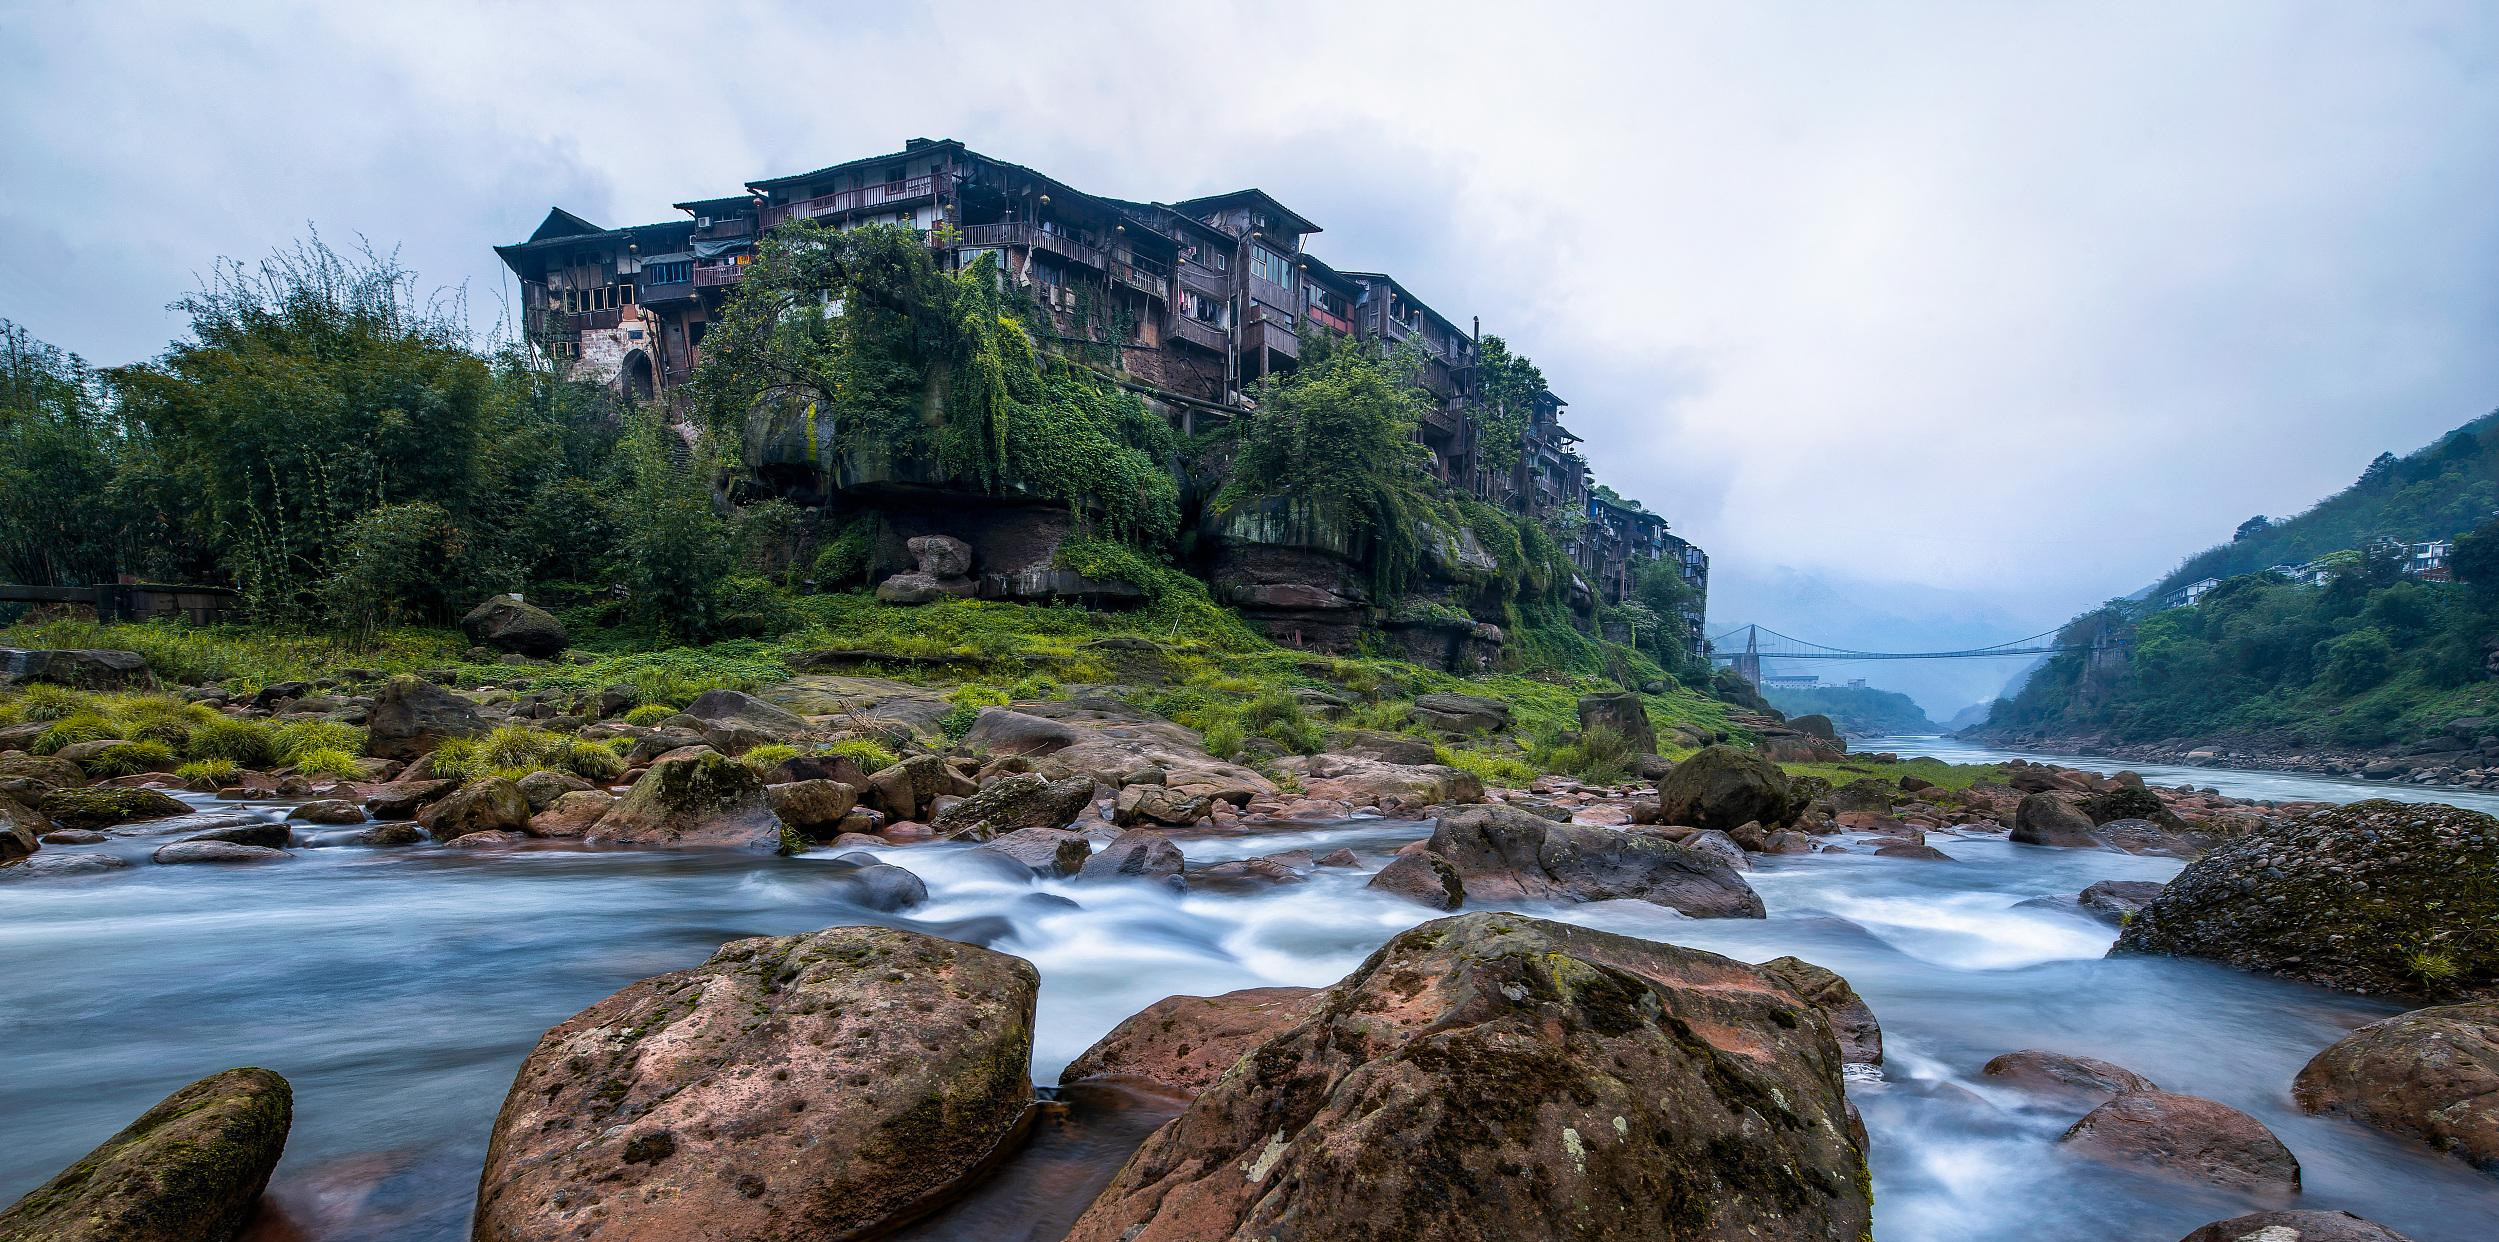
(1335, 441)
(62, 520)
(1507, 389)
(2358, 661)
(2476, 558)
(679, 550)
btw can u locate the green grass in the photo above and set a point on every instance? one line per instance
(1952, 776)
(328, 761)
(213, 772)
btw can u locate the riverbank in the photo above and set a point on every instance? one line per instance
(2468, 758)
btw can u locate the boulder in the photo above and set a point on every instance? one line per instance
(1724, 788)
(1388, 786)
(28, 778)
(384, 835)
(328, 811)
(1503, 854)
(572, 816)
(1816, 726)
(815, 808)
(66, 836)
(1046, 851)
(1715, 842)
(262, 833)
(51, 864)
(181, 852)
(487, 804)
(2190, 1138)
(104, 806)
(1005, 731)
(190, 1169)
(2432, 1075)
(507, 623)
(1461, 713)
(541, 789)
(736, 707)
(1023, 800)
(1492, 1076)
(1183, 1044)
(1422, 877)
(85, 670)
(1620, 712)
(884, 887)
(828, 1085)
(2046, 819)
(411, 717)
(1138, 854)
(1249, 875)
(400, 799)
(2377, 897)
(1161, 806)
(22, 831)
(486, 839)
(2057, 1073)
(903, 790)
(695, 798)
(1852, 1020)
(2117, 900)
(1396, 748)
(2304, 1226)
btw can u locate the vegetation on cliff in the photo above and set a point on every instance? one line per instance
(1855, 709)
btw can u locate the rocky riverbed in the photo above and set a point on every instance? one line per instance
(1531, 1005)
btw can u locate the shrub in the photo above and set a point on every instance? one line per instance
(592, 761)
(294, 739)
(211, 772)
(129, 758)
(1034, 688)
(328, 761)
(768, 756)
(246, 742)
(1277, 716)
(43, 702)
(509, 750)
(871, 756)
(85, 726)
(966, 710)
(1599, 757)
(1496, 770)
(649, 714)
(1224, 739)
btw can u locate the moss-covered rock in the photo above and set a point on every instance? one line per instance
(1725, 788)
(1503, 854)
(1021, 800)
(2431, 1075)
(105, 806)
(799, 1088)
(487, 804)
(507, 623)
(697, 798)
(1493, 1076)
(2380, 897)
(188, 1170)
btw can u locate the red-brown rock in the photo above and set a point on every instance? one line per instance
(1183, 1044)
(2190, 1138)
(2432, 1075)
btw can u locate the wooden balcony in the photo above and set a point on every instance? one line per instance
(588, 321)
(1200, 333)
(665, 291)
(1272, 331)
(1337, 322)
(1144, 280)
(1031, 236)
(1434, 378)
(719, 277)
(843, 202)
(1206, 282)
(727, 226)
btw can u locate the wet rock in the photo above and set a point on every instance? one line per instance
(22, 831)
(1138, 854)
(1712, 841)
(1161, 806)
(1183, 1044)
(1503, 854)
(2431, 1075)
(181, 852)
(52, 864)
(541, 789)
(1338, 858)
(808, 1087)
(572, 816)
(1461, 713)
(2295, 1227)
(328, 811)
(1248, 875)
(1725, 788)
(2057, 1073)
(1044, 851)
(904, 790)
(2190, 1138)
(694, 799)
(1852, 1020)
(105, 806)
(1422, 877)
(487, 804)
(2046, 819)
(28, 778)
(400, 800)
(815, 808)
(885, 887)
(1492, 1076)
(262, 833)
(1912, 850)
(1005, 731)
(74, 836)
(385, 835)
(1620, 712)
(2115, 901)
(489, 839)
(410, 718)
(734, 721)
(188, 1170)
(1023, 800)
(1390, 787)
(507, 623)
(2377, 897)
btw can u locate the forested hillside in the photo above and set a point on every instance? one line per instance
(1855, 709)
(2438, 492)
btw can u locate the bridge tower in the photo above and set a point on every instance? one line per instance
(1748, 661)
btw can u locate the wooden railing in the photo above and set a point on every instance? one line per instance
(1199, 332)
(878, 195)
(1025, 233)
(1205, 283)
(720, 276)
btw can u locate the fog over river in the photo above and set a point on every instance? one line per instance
(400, 989)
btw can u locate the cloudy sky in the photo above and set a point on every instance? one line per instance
(1933, 323)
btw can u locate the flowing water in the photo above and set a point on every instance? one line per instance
(399, 990)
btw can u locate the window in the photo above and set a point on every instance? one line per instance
(1269, 266)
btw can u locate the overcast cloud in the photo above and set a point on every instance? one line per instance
(1931, 322)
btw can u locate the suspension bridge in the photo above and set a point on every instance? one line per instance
(1759, 643)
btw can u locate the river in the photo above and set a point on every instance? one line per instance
(400, 989)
